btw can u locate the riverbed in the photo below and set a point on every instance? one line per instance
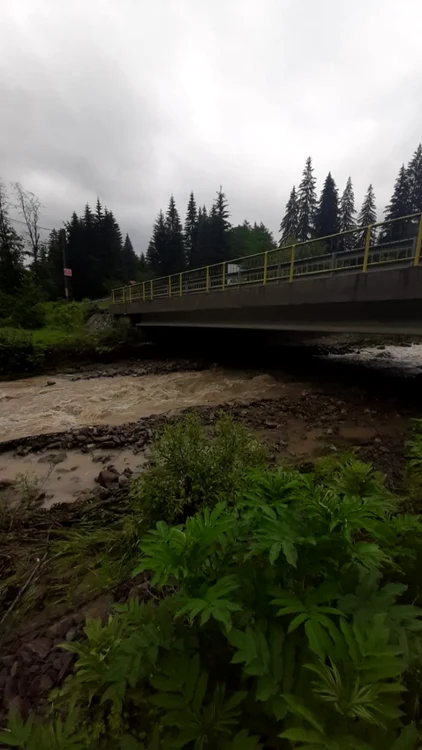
(39, 405)
(359, 401)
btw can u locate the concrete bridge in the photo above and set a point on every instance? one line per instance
(374, 289)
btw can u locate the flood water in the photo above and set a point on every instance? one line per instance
(68, 479)
(31, 407)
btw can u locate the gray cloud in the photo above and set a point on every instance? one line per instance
(134, 100)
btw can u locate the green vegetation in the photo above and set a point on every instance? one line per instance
(285, 611)
(191, 469)
(62, 337)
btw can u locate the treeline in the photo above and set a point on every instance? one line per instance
(96, 253)
(205, 238)
(32, 268)
(306, 217)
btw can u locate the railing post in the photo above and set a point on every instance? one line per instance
(367, 246)
(223, 277)
(180, 284)
(124, 295)
(151, 290)
(264, 280)
(292, 264)
(113, 298)
(130, 295)
(169, 286)
(143, 291)
(207, 279)
(418, 244)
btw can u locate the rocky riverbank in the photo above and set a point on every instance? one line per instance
(303, 421)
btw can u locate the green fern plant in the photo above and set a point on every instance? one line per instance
(287, 617)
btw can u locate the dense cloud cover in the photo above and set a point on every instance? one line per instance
(133, 100)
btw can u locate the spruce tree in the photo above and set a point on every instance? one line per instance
(327, 216)
(414, 171)
(55, 265)
(347, 216)
(143, 264)
(130, 261)
(158, 248)
(81, 265)
(99, 213)
(200, 257)
(219, 231)
(191, 230)
(307, 202)
(290, 222)
(367, 215)
(94, 252)
(151, 255)
(176, 261)
(111, 251)
(11, 249)
(93, 259)
(400, 205)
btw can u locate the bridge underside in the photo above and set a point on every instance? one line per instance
(376, 302)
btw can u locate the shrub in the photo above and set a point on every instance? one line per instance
(65, 316)
(192, 467)
(17, 352)
(280, 628)
(413, 473)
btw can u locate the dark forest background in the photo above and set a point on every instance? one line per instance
(31, 268)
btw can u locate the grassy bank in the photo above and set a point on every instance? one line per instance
(63, 338)
(281, 608)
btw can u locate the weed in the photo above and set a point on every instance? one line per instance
(289, 615)
(192, 467)
(280, 627)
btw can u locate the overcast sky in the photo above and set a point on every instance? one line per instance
(132, 100)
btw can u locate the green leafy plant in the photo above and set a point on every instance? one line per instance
(192, 467)
(288, 618)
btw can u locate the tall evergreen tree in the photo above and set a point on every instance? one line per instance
(307, 201)
(414, 172)
(203, 239)
(327, 216)
(111, 250)
(191, 230)
(368, 215)
(99, 213)
(218, 229)
(290, 222)
(176, 260)
(347, 216)
(81, 265)
(158, 248)
(11, 249)
(151, 257)
(400, 205)
(130, 261)
(55, 265)
(143, 264)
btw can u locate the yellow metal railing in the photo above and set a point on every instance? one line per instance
(358, 250)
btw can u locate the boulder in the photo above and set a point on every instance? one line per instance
(107, 478)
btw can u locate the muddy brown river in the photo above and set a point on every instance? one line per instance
(31, 407)
(52, 404)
